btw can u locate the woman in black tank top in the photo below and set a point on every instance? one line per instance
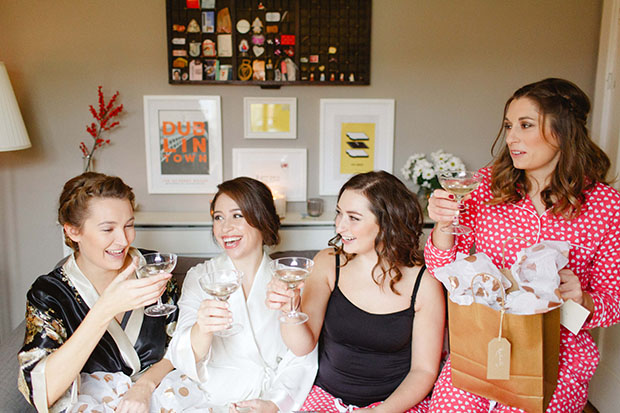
(376, 315)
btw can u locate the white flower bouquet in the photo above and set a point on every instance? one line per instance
(423, 172)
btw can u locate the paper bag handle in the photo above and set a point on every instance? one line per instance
(503, 303)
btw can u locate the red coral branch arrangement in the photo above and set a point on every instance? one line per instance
(103, 122)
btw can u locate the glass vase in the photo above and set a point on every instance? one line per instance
(88, 163)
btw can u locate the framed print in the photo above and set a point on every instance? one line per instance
(183, 139)
(270, 118)
(282, 170)
(356, 135)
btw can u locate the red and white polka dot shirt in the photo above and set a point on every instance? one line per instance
(594, 256)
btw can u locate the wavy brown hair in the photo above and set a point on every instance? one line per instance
(400, 221)
(78, 191)
(564, 109)
(256, 203)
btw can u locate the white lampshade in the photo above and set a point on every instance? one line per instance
(13, 135)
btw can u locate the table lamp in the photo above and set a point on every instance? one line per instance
(13, 134)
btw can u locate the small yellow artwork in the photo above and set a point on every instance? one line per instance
(357, 147)
(270, 117)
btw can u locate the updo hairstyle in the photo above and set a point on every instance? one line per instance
(78, 191)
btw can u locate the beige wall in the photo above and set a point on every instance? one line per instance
(450, 66)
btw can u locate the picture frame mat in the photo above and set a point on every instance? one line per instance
(336, 112)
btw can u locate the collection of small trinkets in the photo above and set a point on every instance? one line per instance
(255, 41)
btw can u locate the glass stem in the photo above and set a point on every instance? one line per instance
(455, 219)
(292, 305)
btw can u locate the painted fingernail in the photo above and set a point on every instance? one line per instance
(451, 196)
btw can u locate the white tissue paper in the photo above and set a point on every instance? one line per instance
(535, 271)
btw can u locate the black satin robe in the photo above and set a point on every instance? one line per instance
(54, 310)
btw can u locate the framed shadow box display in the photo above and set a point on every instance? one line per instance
(269, 43)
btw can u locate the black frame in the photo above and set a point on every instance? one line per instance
(317, 25)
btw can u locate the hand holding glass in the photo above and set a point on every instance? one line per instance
(458, 183)
(221, 284)
(153, 264)
(292, 270)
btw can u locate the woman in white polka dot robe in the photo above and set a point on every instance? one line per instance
(548, 182)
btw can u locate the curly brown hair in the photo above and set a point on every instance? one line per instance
(400, 221)
(582, 164)
(78, 191)
(256, 203)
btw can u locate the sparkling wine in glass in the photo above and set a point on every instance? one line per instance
(292, 270)
(458, 183)
(221, 284)
(153, 264)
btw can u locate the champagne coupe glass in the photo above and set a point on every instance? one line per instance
(292, 270)
(458, 183)
(221, 284)
(153, 264)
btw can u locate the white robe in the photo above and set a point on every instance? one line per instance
(255, 363)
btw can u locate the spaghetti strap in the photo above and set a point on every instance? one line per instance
(337, 270)
(417, 284)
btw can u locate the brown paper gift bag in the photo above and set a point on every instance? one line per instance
(535, 345)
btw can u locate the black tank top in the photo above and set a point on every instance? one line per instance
(363, 357)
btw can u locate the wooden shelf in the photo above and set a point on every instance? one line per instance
(331, 45)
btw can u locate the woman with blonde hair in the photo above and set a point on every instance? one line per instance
(88, 345)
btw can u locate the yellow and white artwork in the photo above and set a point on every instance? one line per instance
(270, 118)
(357, 147)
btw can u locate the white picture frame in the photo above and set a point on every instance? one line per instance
(283, 170)
(356, 135)
(183, 143)
(269, 118)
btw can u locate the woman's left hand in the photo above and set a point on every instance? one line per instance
(137, 399)
(255, 405)
(570, 286)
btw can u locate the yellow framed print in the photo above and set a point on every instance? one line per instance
(356, 136)
(270, 118)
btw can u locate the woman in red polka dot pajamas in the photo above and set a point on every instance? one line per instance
(547, 183)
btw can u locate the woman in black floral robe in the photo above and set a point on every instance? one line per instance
(88, 344)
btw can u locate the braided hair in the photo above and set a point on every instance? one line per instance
(77, 192)
(582, 164)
